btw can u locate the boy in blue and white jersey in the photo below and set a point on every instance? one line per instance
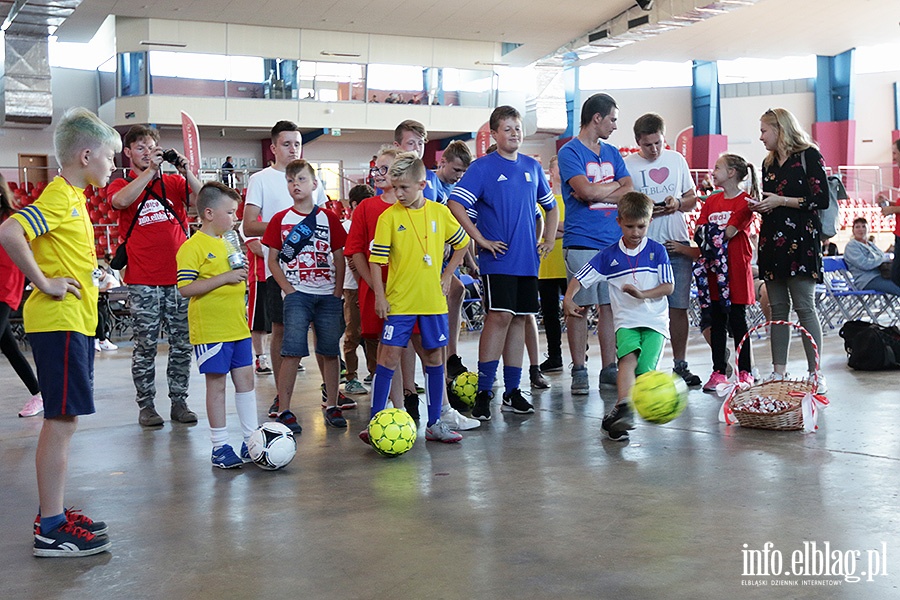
(640, 278)
(501, 190)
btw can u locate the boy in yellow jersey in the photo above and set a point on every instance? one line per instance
(410, 238)
(61, 318)
(213, 274)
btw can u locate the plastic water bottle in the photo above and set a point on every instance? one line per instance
(236, 258)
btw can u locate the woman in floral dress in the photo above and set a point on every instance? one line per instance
(790, 249)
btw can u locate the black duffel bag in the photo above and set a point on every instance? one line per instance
(871, 347)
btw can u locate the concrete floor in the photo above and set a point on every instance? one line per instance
(536, 506)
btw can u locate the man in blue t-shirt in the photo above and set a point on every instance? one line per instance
(501, 191)
(593, 177)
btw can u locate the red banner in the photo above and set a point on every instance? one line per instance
(191, 136)
(482, 140)
(683, 143)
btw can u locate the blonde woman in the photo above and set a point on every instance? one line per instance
(790, 250)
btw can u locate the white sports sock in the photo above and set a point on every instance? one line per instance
(245, 403)
(219, 436)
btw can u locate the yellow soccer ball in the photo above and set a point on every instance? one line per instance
(659, 397)
(392, 432)
(465, 386)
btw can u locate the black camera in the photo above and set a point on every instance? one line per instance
(171, 157)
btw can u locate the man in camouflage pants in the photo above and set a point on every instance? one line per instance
(157, 206)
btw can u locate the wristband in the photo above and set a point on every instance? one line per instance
(679, 204)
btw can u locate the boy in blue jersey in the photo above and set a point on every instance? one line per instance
(593, 177)
(501, 191)
(639, 275)
(52, 243)
(411, 136)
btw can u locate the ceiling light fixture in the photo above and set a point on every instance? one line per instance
(342, 54)
(164, 44)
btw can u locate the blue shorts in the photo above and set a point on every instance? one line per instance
(324, 312)
(65, 370)
(435, 330)
(596, 294)
(683, 271)
(224, 356)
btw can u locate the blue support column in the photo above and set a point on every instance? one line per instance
(835, 94)
(705, 113)
(835, 128)
(573, 120)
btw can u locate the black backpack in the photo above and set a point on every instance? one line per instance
(871, 347)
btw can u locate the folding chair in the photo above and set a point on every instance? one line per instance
(473, 306)
(841, 301)
(878, 303)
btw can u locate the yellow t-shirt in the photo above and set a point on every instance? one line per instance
(403, 239)
(62, 241)
(219, 315)
(554, 265)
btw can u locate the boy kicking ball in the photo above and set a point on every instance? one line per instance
(410, 238)
(640, 277)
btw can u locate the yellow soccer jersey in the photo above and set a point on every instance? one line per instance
(62, 241)
(553, 266)
(411, 242)
(219, 315)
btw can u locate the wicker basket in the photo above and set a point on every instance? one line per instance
(790, 391)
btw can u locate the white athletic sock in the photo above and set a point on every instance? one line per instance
(219, 436)
(245, 403)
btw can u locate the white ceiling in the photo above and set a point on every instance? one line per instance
(770, 28)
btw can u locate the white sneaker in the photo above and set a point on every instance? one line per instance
(106, 345)
(777, 377)
(456, 420)
(96, 345)
(34, 406)
(822, 387)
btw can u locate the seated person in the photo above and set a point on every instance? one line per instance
(864, 260)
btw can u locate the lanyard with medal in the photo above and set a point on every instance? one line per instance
(426, 257)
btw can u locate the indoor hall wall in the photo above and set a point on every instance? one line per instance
(740, 120)
(70, 87)
(875, 117)
(673, 104)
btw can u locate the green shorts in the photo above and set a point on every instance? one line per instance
(648, 343)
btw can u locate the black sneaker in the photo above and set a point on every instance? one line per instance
(411, 404)
(454, 400)
(681, 369)
(70, 540)
(455, 366)
(343, 402)
(288, 419)
(538, 381)
(516, 403)
(617, 423)
(334, 417)
(482, 408)
(552, 365)
(273, 410)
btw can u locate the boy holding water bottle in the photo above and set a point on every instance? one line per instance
(212, 273)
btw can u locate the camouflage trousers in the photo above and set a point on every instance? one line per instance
(153, 307)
